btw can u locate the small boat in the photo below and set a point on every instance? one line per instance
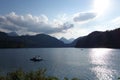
(36, 59)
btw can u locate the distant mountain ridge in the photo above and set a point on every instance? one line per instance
(12, 34)
(37, 41)
(67, 41)
(96, 39)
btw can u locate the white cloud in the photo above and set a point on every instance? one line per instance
(32, 24)
(84, 16)
(60, 26)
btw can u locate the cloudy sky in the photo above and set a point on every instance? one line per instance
(59, 18)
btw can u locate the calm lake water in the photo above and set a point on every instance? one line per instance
(86, 64)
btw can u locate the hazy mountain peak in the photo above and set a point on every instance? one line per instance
(13, 34)
(67, 41)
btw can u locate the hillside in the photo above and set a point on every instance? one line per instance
(67, 41)
(96, 39)
(37, 41)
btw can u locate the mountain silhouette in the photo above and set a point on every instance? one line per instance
(66, 41)
(12, 34)
(96, 39)
(37, 41)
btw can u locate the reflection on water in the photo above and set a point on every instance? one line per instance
(86, 64)
(100, 56)
(100, 59)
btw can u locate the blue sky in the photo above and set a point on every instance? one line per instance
(59, 18)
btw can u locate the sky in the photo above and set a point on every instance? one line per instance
(59, 18)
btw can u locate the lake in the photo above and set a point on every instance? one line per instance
(86, 64)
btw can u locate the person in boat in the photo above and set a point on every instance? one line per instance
(36, 58)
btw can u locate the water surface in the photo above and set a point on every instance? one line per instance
(86, 64)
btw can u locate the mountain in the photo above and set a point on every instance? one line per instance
(37, 41)
(12, 34)
(66, 41)
(42, 40)
(73, 43)
(71, 40)
(8, 42)
(2, 34)
(96, 39)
